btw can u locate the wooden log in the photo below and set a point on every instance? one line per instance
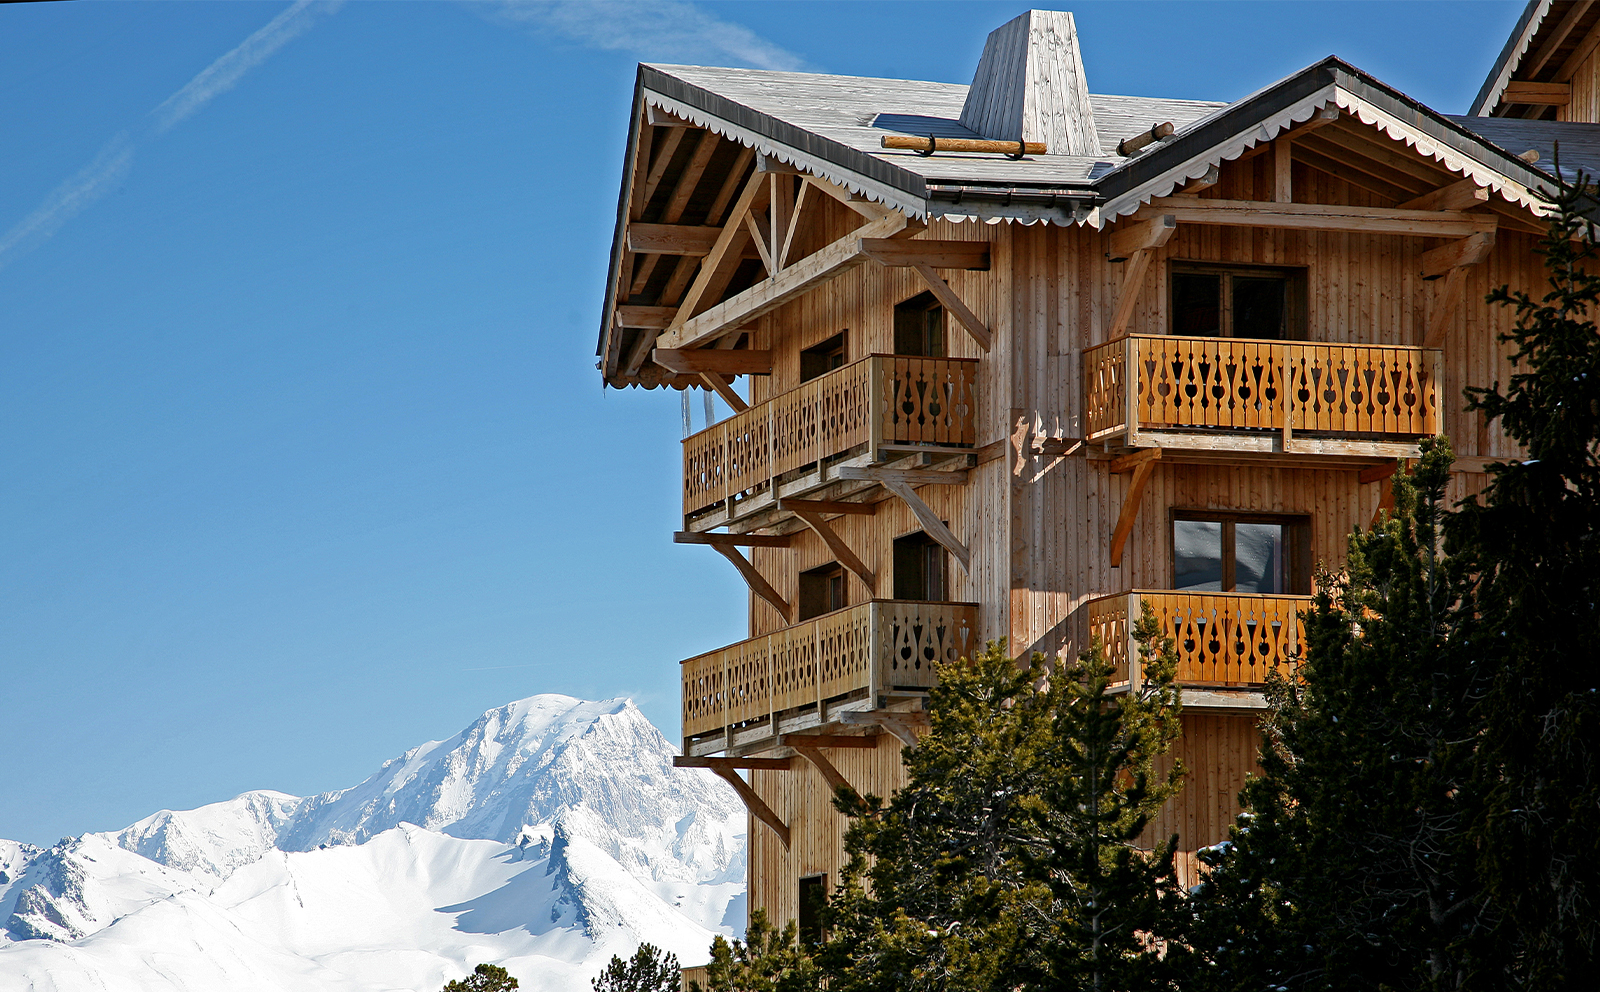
(715, 361)
(1127, 146)
(958, 308)
(719, 385)
(671, 239)
(933, 145)
(755, 804)
(841, 551)
(970, 255)
(1142, 463)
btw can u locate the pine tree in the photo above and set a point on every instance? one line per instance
(484, 978)
(1349, 869)
(767, 960)
(1006, 861)
(649, 970)
(1535, 542)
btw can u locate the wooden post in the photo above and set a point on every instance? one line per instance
(1130, 389)
(1288, 396)
(875, 656)
(1438, 391)
(1135, 665)
(879, 406)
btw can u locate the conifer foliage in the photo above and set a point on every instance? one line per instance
(649, 970)
(769, 959)
(484, 978)
(1006, 861)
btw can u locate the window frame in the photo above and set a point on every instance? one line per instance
(1296, 319)
(1297, 535)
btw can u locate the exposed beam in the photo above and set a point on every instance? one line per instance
(794, 225)
(769, 294)
(771, 166)
(1308, 155)
(841, 550)
(827, 506)
(755, 804)
(1445, 305)
(1462, 195)
(931, 524)
(780, 206)
(671, 239)
(720, 386)
(1457, 254)
(902, 725)
(820, 762)
(1324, 217)
(912, 476)
(639, 352)
(828, 740)
(748, 764)
(742, 362)
(1283, 169)
(1211, 178)
(761, 234)
(731, 232)
(1136, 236)
(970, 255)
(1350, 134)
(658, 168)
(1377, 473)
(735, 540)
(1128, 296)
(652, 318)
(958, 308)
(1552, 39)
(1537, 94)
(1142, 464)
(665, 118)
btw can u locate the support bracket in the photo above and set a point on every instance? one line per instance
(727, 770)
(728, 545)
(841, 551)
(820, 762)
(1142, 464)
(953, 303)
(902, 725)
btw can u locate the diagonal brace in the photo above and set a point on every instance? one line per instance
(754, 803)
(931, 523)
(758, 585)
(841, 551)
(1142, 464)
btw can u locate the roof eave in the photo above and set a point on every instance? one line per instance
(1510, 58)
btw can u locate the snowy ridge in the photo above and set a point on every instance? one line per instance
(550, 834)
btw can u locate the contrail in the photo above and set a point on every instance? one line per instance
(116, 158)
(660, 29)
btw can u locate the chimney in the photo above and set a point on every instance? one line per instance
(1030, 85)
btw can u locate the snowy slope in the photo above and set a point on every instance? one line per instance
(547, 836)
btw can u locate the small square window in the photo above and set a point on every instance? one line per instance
(820, 359)
(1237, 301)
(1241, 552)
(921, 569)
(822, 590)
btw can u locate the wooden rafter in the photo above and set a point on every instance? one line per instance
(931, 524)
(1142, 464)
(769, 294)
(728, 770)
(1324, 217)
(1309, 155)
(650, 318)
(720, 385)
(1464, 194)
(741, 362)
(841, 550)
(864, 207)
(1556, 37)
(794, 224)
(1211, 178)
(670, 239)
(732, 231)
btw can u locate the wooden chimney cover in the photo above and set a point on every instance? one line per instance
(1030, 85)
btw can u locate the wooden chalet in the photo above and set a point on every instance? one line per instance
(1008, 360)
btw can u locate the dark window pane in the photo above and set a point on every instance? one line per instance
(1197, 555)
(1258, 558)
(919, 327)
(822, 590)
(813, 896)
(1196, 304)
(822, 358)
(921, 569)
(1258, 307)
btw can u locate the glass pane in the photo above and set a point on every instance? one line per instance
(1258, 307)
(1258, 558)
(1197, 555)
(1196, 304)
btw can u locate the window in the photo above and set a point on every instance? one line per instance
(822, 358)
(919, 327)
(822, 590)
(1241, 552)
(1237, 301)
(813, 896)
(921, 569)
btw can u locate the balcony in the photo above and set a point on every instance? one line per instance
(1234, 394)
(1227, 642)
(870, 412)
(802, 676)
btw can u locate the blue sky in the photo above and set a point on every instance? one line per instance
(303, 458)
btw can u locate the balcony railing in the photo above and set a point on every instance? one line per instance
(1233, 384)
(879, 647)
(877, 401)
(1223, 638)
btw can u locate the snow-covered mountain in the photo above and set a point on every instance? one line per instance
(547, 836)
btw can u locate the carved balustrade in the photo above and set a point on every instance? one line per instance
(879, 400)
(1222, 638)
(879, 646)
(1160, 382)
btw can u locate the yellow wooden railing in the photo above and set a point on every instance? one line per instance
(879, 400)
(1238, 384)
(879, 646)
(1223, 638)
